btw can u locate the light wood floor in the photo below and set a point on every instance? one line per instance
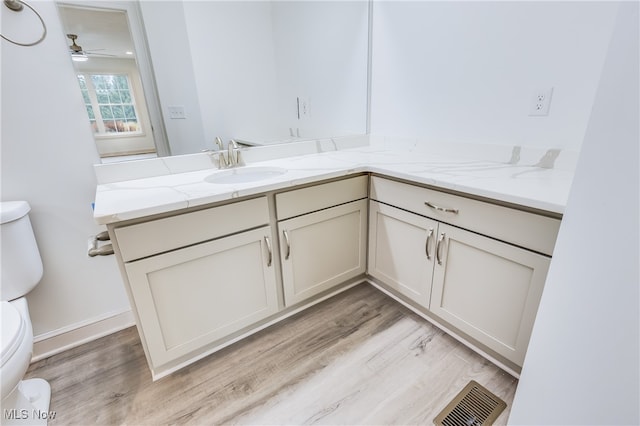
(358, 358)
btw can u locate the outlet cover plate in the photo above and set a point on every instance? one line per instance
(540, 102)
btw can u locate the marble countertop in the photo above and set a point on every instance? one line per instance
(521, 184)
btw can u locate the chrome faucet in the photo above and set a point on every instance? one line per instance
(232, 157)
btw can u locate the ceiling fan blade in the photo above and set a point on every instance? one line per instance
(99, 54)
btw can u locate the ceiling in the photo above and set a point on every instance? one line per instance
(99, 31)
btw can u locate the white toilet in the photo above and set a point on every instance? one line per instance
(24, 402)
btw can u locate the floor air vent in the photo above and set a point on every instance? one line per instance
(473, 406)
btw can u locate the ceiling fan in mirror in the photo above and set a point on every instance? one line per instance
(80, 55)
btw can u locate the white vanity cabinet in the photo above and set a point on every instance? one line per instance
(477, 266)
(323, 232)
(198, 277)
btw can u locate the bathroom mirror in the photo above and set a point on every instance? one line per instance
(260, 72)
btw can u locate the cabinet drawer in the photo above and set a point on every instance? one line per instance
(524, 229)
(318, 197)
(162, 235)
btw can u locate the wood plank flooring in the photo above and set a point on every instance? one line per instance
(358, 358)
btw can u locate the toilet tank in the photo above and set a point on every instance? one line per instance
(20, 262)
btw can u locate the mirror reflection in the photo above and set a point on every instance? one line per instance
(103, 55)
(259, 72)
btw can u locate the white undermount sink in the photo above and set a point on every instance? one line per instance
(244, 174)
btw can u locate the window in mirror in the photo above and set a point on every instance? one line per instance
(110, 104)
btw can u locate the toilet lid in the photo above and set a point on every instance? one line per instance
(13, 330)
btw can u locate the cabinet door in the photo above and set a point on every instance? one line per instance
(191, 297)
(488, 289)
(401, 250)
(322, 249)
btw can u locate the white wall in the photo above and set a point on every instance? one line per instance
(47, 156)
(582, 366)
(451, 71)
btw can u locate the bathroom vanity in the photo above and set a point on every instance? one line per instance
(239, 257)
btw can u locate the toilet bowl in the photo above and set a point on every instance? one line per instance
(17, 344)
(23, 402)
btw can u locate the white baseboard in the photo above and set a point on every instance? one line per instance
(54, 342)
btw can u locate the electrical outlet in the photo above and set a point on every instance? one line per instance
(303, 108)
(176, 112)
(540, 102)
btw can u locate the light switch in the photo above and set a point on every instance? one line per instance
(176, 112)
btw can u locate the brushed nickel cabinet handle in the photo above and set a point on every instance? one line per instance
(428, 243)
(268, 242)
(441, 209)
(439, 247)
(286, 239)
